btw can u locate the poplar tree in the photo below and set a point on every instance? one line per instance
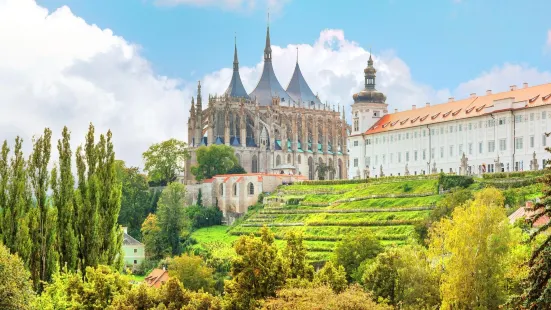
(4, 175)
(42, 219)
(63, 183)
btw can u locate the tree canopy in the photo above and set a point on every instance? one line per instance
(213, 160)
(165, 160)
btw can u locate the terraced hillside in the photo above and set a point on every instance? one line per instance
(389, 208)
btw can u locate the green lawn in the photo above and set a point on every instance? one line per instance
(213, 234)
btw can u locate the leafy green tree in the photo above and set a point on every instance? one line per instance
(200, 198)
(257, 271)
(237, 169)
(332, 276)
(203, 216)
(4, 177)
(323, 169)
(403, 277)
(135, 199)
(62, 183)
(538, 291)
(155, 247)
(353, 250)
(212, 160)
(295, 255)
(471, 250)
(163, 161)
(194, 274)
(171, 216)
(16, 290)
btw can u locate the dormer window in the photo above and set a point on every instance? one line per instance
(375, 113)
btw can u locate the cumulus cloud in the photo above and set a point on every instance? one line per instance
(56, 70)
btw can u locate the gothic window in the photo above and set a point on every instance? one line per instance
(299, 159)
(221, 190)
(289, 158)
(251, 188)
(254, 167)
(310, 168)
(278, 160)
(235, 189)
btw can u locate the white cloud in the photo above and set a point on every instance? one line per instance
(56, 70)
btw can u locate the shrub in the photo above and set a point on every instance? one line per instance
(446, 181)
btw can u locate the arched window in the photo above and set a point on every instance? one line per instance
(235, 189)
(251, 188)
(221, 190)
(299, 159)
(254, 164)
(289, 158)
(278, 160)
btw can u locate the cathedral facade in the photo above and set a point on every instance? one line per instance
(271, 129)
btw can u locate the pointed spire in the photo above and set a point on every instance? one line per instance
(192, 111)
(199, 99)
(268, 48)
(235, 60)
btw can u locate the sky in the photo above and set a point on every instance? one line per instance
(132, 66)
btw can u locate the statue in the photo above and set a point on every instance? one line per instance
(407, 170)
(358, 173)
(366, 172)
(534, 162)
(464, 166)
(381, 174)
(497, 164)
(434, 168)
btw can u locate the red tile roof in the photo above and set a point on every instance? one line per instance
(461, 109)
(156, 278)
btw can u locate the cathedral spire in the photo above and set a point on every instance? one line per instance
(192, 111)
(236, 89)
(268, 48)
(235, 60)
(199, 99)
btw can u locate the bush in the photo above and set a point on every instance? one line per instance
(446, 181)
(204, 216)
(294, 201)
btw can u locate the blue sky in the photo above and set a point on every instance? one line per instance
(443, 42)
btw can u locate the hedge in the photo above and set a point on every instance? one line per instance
(510, 183)
(323, 238)
(309, 211)
(515, 174)
(271, 224)
(378, 196)
(449, 181)
(370, 180)
(364, 223)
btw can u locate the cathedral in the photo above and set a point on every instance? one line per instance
(272, 130)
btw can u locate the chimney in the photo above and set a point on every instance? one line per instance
(524, 85)
(125, 230)
(413, 107)
(427, 104)
(450, 99)
(395, 110)
(489, 92)
(513, 87)
(529, 205)
(473, 95)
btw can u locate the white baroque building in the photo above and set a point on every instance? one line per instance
(480, 134)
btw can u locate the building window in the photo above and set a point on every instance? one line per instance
(407, 157)
(299, 159)
(451, 129)
(356, 143)
(375, 113)
(432, 153)
(221, 190)
(384, 159)
(491, 122)
(441, 152)
(355, 162)
(399, 157)
(532, 140)
(543, 115)
(432, 132)
(376, 160)
(518, 143)
(356, 124)
(491, 146)
(368, 161)
(531, 117)
(424, 154)
(391, 157)
(460, 149)
(470, 126)
(460, 127)
(368, 141)
(415, 134)
(135, 250)
(235, 189)
(415, 155)
(424, 133)
(518, 118)
(441, 130)
(480, 149)
(451, 150)
(501, 121)
(470, 149)
(502, 144)
(289, 158)
(544, 140)
(135, 262)
(251, 188)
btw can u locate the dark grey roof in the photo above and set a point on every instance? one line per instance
(236, 89)
(129, 240)
(268, 86)
(300, 92)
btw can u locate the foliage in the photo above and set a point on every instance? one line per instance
(171, 217)
(322, 169)
(295, 255)
(203, 216)
(514, 174)
(332, 276)
(322, 298)
(15, 287)
(470, 250)
(192, 272)
(135, 199)
(236, 169)
(155, 247)
(200, 198)
(164, 160)
(257, 272)
(212, 160)
(402, 276)
(447, 181)
(353, 249)
(538, 290)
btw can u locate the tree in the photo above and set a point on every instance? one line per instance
(16, 287)
(257, 271)
(538, 291)
(163, 161)
(471, 250)
(62, 183)
(295, 255)
(353, 250)
(135, 199)
(4, 176)
(212, 160)
(322, 169)
(152, 239)
(171, 216)
(332, 276)
(194, 274)
(200, 198)
(203, 216)
(403, 277)
(237, 169)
